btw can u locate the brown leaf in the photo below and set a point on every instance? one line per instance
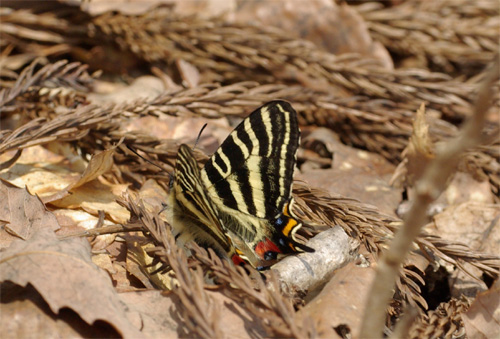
(463, 187)
(156, 309)
(123, 6)
(23, 213)
(94, 197)
(99, 164)
(335, 28)
(34, 318)
(189, 73)
(142, 88)
(153, 195)
(63, 273)
(355, 174)
(482, 320)
(472, 223)
(140, 265)
(43, 176)
(342, 300)
(74, 221)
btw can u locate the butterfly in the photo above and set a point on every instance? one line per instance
(240, 203)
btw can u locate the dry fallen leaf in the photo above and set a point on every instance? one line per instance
(476, 225)
(42, 178)
(22, 213)
(142, 88)
(482, 319)
(355, 174)
(463, 187)
(155, 305)
(99, 164)
(189, 73)
(34, 319)
(152, 195)
(63, 273)
(75, 221)
(336, 28)
(341, 302)
(140, 265)
(96, 196)
(472, 223)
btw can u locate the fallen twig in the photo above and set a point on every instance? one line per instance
(428, 188)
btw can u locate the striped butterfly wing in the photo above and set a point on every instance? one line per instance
(249, 180)
(191, 212)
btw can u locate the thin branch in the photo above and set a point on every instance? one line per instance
(428, 188)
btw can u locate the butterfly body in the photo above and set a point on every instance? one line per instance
(240, 202)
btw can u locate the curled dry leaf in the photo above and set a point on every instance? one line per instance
(99, 164)
(63, 273)
(94, 195)
(418, 153)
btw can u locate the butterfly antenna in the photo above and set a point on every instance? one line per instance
(199, 136)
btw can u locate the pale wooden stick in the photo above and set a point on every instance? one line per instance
(428, 188)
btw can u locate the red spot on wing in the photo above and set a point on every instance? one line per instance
(264, 246)
(237, 260)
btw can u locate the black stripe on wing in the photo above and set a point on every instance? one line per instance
(191, 195)
(253, 168)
